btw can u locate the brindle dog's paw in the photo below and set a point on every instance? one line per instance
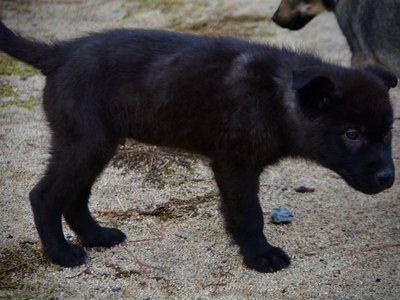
(103, 237)
(271, 260)
(67, 256)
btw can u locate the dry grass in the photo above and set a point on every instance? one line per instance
(160, 166)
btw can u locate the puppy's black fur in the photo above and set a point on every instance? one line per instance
(244, 105)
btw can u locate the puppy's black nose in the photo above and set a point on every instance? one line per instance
(385, 178)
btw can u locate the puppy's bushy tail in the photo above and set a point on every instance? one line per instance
(35, 53)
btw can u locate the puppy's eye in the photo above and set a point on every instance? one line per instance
(352, 134)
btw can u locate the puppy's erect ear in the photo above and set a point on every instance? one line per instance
(387, 77)
(312, 77)
(313, 88)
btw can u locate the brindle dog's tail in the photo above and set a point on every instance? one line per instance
(35, 53)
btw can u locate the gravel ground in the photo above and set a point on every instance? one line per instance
(344, 245)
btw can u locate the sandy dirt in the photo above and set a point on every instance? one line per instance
(343, 244)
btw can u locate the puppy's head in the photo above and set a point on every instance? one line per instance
(295, 14)
(348, 121)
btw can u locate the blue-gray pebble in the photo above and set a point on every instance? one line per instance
(281, 215)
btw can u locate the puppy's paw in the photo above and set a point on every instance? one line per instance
(67, 256)
(103, 237)
(271, 260)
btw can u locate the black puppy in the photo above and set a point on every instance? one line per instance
(244, 105)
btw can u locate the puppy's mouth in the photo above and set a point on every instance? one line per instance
(367, 184)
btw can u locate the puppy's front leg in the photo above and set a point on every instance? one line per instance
(243, 216)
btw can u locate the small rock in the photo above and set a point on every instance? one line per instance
(116, 289)
(323, 261)
(336, 273)
(304, 189)
(68, 236)
(281, 215)
(116, 10)
(283, 189)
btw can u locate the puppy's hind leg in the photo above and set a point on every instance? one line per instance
(77, 212)
(47, 205)
(91, 234)
(64, 189)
